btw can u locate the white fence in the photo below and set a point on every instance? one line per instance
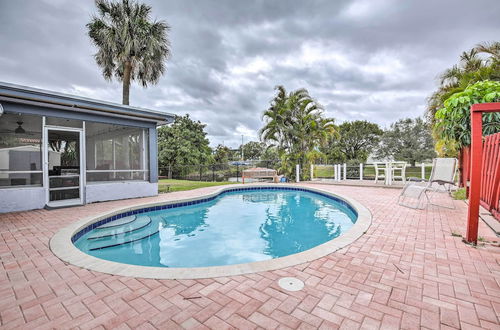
(375, 172)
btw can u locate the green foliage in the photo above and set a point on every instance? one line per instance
(270, 153)
(222, 154)
(459, 194)
(453, 120)
(445, 148)
(253, 150)
(183, 142)
(357, 140)
(130, 46)
(270, 158)
(478, 64)
(407, 140)
(295, 125)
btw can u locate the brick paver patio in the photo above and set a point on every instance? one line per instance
(408, 271)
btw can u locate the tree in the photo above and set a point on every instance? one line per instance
(182, 143)
(453, 120)
(252, 150)
(478, 64)
(270, 157)
(270, 153)
(222, 154)
(295, 125)
(493, 51)
(407, 140)
(130, 45)
(356, 141)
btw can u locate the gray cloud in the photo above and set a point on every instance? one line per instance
(362, 59)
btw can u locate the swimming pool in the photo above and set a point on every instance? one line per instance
(225, 232)
(236, 227)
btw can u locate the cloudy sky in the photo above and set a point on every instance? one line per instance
(362, 59)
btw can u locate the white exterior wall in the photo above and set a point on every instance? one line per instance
(21, 199)
(107, 191)
(31, 198)
(4, 162)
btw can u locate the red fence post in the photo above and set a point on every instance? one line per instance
(476, 151)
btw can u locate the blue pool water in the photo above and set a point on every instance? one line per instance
(235, 227)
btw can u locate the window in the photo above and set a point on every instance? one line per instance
(20, 150)
(116, 153)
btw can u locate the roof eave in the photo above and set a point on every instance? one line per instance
(23, 94)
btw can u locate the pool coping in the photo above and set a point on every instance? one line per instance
(62, 246)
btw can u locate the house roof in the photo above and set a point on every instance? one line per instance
(34, 96)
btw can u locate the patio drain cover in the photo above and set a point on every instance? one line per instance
(291, 284)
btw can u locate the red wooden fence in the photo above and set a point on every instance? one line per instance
(476, 169)
(490, 178)
(490, 174)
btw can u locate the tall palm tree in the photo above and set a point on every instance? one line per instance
(491, 48)
(130, 45)
(294, 123)
(275, 118)
(469, 62)
(480, 63)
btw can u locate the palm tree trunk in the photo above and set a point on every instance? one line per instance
(126, 82)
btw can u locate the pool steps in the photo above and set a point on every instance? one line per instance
(125, 237)
(110, 231)
(118, 222)
(125, 242)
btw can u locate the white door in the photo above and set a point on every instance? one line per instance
(63, 166)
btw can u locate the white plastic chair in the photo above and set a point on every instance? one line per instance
(380, 171)
(401, 167)
(442, 179)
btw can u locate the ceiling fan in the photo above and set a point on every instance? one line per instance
(19, 130)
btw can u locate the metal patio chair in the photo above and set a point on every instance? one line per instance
(442, 180)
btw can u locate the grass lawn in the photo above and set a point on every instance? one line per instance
(460, 194)
(323, 171)
(180, 185)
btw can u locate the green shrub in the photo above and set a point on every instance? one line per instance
(453, 121)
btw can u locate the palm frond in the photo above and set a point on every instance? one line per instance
(123, 33)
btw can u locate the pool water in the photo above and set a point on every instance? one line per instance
(235, 227)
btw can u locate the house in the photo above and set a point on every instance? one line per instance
(59, 150)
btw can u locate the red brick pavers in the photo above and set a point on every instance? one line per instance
(407, 271)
